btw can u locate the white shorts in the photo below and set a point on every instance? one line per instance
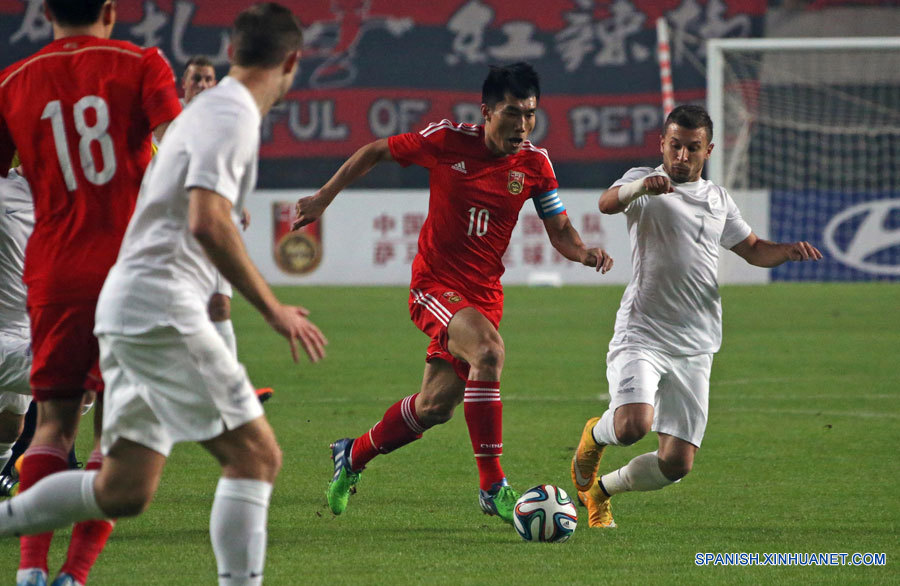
(223, 287)
(676, 386)
(165, 387)
(15, 368)
(15, 361)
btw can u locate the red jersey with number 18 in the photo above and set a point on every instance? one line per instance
(80, 112)
(474, 204)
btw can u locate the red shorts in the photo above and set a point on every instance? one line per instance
(431, 306)
(65, 351)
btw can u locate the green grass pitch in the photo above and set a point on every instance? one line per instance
(800, 454)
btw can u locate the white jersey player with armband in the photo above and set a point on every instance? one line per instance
(669, 323)
(16, 225)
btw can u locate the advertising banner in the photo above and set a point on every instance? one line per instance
(858, 234)
(372, 68)
(369, 237)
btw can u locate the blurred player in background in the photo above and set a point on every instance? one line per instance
(16, 224)
(80, 112)
(15, 347)
(669, 324)
(170, 377)
(481, 176)
(200, 74)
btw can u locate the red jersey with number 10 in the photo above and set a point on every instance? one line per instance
(474, 204)
(80, 112)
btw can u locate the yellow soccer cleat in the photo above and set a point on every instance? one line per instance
(587, 458)
(599, 511)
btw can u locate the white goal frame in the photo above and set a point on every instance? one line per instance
(715, 78)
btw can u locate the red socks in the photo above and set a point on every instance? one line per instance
(38, 462)
(88, 537)
(399, 426)
(484, 417)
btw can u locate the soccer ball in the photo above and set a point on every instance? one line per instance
(545, 513)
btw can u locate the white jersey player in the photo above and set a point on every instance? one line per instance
(16, 225)
(169, 376)
(669, 323)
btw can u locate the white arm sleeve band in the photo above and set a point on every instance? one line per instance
(631, 191)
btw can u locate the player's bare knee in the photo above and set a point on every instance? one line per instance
(262, 461)
(489, 356)
(675, 468)
(121, 499)
(630, 431)
(274, 462)
(10, 427)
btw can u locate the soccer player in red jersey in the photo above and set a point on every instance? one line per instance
(80, 111)
(480, 176)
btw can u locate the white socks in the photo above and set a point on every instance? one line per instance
(641, 474)
(604, 431)
(56, 501)
(237, 527)
(226, 330)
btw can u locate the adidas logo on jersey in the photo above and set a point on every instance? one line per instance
(460, 166)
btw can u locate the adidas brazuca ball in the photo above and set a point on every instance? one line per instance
(545, 513)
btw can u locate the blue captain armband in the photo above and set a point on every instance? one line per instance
(548, 204)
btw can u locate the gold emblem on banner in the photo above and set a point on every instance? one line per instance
(516, 182)
(452, 296)
(297, 252)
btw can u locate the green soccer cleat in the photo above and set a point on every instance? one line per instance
(344, 481)
(500, 501)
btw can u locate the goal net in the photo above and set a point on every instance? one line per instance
(816, 122)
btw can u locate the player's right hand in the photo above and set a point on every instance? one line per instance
(307, 210)
(657, 185)
(291, 322)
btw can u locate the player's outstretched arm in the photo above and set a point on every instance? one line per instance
(309, 209)
(615, 199)
(565, 238)
(764, 253)
(209, 220)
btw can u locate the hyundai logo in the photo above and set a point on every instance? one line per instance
(870, 237)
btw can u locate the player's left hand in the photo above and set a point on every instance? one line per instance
(245, 219)
(598, 259)
(292, 323)
(308, 210)
(800, 251)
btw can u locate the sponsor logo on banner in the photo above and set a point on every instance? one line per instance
(298, 252)
(867, 239)
(452, 296)
(516, 182)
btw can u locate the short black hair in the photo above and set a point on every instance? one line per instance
(75, 12)
(692, 117)
(519, 79)
(264, 34)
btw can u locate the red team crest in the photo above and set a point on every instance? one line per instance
(298, 252)
(452, 297)
(516, 182)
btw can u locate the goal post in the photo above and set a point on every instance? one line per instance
(744, 76)
(816, 123)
